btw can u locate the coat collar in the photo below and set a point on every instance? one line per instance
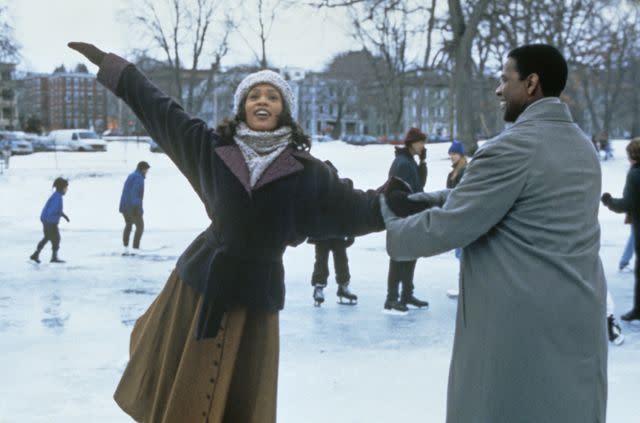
(285, 164)
(547, 108)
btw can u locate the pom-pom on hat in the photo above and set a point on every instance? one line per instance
(263, 77)
(414, 135)
(456, 147)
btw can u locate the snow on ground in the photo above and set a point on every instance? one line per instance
(64, 330)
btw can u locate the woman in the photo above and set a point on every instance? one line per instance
(415, 175)
(630, 203)
(459, 164)
(207, 348)
(50, 218)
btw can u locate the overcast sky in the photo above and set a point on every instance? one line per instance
(302, 37)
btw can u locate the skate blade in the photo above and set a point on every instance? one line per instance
(394, 312)
(318, 303)
(414, 307)
(348, 302)
(619, 340)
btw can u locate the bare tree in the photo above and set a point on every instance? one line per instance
(9, 47)
(266, 13)
(187, 31)
(464, 30)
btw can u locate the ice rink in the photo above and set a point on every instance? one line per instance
(64, 329)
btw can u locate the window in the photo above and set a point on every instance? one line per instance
(74, 137)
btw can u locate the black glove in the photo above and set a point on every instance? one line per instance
(91, 52)
(606, 198)
(396, 192)
(423, 155)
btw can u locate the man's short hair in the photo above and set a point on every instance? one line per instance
(633, 149)
(544, 60)
(143, 166)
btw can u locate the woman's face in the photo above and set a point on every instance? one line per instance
(263, 107)
(455, 158)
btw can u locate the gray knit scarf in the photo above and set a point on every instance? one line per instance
(261, 148)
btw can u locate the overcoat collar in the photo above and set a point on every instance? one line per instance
(285, 164)
(547, 108)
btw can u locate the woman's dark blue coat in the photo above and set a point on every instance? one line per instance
(238, 259)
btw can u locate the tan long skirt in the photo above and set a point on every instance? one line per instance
(171, 377)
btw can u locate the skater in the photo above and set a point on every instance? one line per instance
(459, 164)
(50, 218)
(530, 340)
(207, 348)
(627, 254)
(630, 203)
(613, 328)
(131, 205)
(337, 246)
(415, 175)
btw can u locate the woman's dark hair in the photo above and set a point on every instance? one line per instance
(227, 128)
(633, 149)
(544, 60)
(60, 183)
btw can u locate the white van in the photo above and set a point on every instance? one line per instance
(78, 139)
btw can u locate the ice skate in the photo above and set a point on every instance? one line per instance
(35, 257)
(413, 301)
(55, 258)
(318, 295)
(395, 307)
(344, 293)
(125, 251)
(615, 333)
(631, 315)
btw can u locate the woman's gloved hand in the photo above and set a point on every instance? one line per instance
(91, 52)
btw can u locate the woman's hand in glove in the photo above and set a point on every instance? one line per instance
(91, 52)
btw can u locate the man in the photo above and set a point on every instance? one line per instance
(131, 205)
(405, 167)
(530, 342)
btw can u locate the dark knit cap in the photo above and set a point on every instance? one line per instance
(456, 147)
(414, 135)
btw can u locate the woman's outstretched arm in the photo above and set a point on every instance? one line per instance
(185, 139)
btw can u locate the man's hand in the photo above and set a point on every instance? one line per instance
(423, 155)
(606, 199)
(66, 218)
(91, 52)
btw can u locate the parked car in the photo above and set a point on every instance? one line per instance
(16, 142)
(360, 139)
(154, 147)
(78, 139)
(321, 138)
(46, 143)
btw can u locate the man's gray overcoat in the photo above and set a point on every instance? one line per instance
(530, 340)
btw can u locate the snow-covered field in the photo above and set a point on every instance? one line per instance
(64, 330)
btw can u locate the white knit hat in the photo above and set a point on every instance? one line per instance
(263, 77)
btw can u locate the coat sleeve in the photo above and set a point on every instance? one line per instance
(423, 171)
(627, 203)
(335, 209)
(137, 192)
(492, 184)
(406, 171)
(185, 139)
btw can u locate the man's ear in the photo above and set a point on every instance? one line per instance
(533, 83)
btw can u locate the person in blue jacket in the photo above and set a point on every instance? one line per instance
(50, 218)
(404, 166)
(131, 205)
